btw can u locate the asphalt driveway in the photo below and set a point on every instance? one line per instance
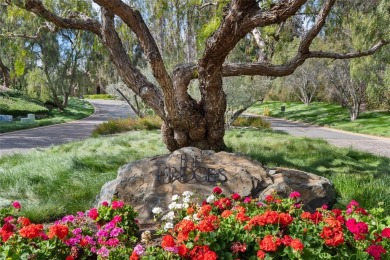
(24, 140)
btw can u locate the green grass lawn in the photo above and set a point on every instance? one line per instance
(330, 115)
(67, 178)
(76, 109)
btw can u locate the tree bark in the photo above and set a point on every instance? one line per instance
(5, 73)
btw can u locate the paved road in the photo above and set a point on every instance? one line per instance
(375, 145)
(22, 141)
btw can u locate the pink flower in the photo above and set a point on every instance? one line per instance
(247, 200)
(139, 249)
(117, 219)
(376, 251)
(117, 204)
(104, 252)
(352, 204)
(9, 219)
(217, 190)
(16, 205)
(105, 204)
(324, 206)
(236, 196)
(294, 195)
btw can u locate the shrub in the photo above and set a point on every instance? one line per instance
(266, 111)
(104, 232)
(257, 122)
(232, 227)
(128, 124)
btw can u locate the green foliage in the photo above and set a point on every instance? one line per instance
(20, 106)
(99, 96)
(128, 124)
(257, 122)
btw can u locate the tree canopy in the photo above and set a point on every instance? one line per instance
(196, 40)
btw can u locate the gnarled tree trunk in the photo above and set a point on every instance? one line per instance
(190, 122)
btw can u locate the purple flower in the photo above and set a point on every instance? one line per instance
(109, 225)
(139, 249)
(77, 231)
(116, 231)
(102, 233)
(173, 249)
(80, 214)
(66, 219)
(72, 241)
(112, 242)
(294, 195)
(90, 240)
(104, 252)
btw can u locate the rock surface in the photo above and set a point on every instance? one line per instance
(151, 182)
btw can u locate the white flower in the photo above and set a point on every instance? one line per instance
(172, 205)
(178, 206)
(185, 205)
(169, 216)
(186, 199)
(157, 210)
(210, 198)
(187, 218)
(188, 193)
(175, 197)
(168, 225)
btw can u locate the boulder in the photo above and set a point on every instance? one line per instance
(151, 182)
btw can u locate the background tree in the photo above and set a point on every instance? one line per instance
(188, 121)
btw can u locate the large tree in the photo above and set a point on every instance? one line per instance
(187, 121)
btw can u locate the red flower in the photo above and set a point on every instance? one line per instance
(84, 242)
(204, 211)
(182, 250)
(202, 253)
(269, 198)
(69, 257)
(260, 254)
(208, 224)
(61, 231)
(217, 190)
(236, 196)
(269, 243)
(316, 217)
(226, 213)
(285, 219)
(183, 228)
(386, 232)
(16, 204)
(190, 211)
(134, 256)
(286, 240)
(376, 251)
(242, 217)
(296, 244)
(306, 215)
(93, 213)
(223, 203)
(24, 221)
(31, 231)
(167, 241)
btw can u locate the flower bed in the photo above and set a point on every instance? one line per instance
(223, 227)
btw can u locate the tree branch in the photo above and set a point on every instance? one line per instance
(134, 20)
(304, 46)
(75, 20)
(131, 76)
(264, 69)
